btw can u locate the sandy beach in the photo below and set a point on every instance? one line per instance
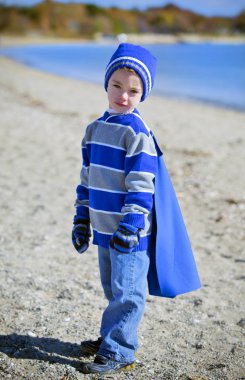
(146, 38)
(51, 297)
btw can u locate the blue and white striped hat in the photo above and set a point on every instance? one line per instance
(137, 58)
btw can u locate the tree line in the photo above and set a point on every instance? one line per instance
(52, 18)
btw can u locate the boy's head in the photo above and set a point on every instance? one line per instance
(136, 58)
(124, 90)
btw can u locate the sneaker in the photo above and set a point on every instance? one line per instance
(105, 365)
(90, 347)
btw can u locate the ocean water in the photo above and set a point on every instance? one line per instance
(206, 72)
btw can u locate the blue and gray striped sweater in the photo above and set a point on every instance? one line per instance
(117, 176)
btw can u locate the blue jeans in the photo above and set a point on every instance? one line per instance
(123, 278)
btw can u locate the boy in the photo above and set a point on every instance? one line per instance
(119, 177)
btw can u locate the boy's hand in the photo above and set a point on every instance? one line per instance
(125, 239)
(81, 234)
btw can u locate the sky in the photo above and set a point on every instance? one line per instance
(206, 7)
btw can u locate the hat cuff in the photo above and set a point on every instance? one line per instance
(138, 66)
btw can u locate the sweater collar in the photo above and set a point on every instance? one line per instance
(112, 112)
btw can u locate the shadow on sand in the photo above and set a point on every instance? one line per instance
(47, 349)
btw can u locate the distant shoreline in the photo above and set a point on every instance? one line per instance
(6, 40)
(31, 42)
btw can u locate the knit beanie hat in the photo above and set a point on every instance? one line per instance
(137, 58)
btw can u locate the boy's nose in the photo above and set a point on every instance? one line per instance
(124, 96)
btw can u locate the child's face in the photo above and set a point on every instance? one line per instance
(124, 91)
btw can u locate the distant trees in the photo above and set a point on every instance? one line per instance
(239, 23)
(85, 20)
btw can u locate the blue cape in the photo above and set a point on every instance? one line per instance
(172, 265)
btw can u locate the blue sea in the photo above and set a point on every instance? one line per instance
(206, 72)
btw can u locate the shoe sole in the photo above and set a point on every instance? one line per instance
(128, 367)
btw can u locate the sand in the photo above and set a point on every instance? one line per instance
(51, 297)
(146, 38)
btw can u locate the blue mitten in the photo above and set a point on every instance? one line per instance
(126, 238)
(81, 234)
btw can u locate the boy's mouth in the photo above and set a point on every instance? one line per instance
(121, 104)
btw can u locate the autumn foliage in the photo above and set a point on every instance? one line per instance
(85, 20)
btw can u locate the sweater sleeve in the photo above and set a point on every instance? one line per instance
(140, 171)
(82, 201)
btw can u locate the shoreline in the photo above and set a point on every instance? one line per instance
(204, 102)
(176, 97)
(8, 41)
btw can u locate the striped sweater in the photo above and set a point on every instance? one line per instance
(117, 176)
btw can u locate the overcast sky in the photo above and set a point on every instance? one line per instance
(206, 7)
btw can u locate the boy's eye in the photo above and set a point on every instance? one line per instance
(116, 85)
(134, 91)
